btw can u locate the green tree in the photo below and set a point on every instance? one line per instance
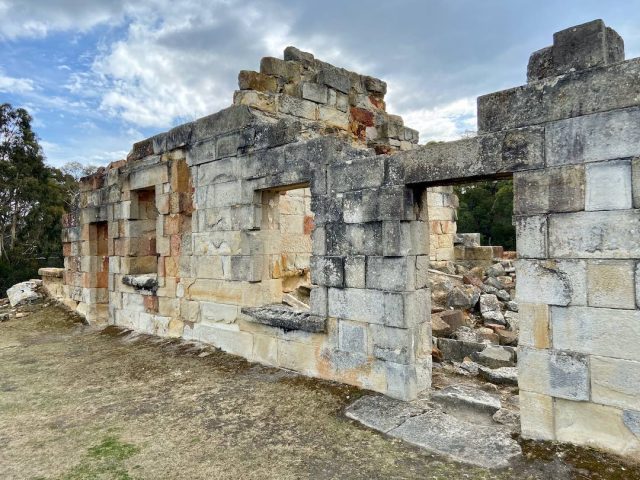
(33, 196)
(487, 208)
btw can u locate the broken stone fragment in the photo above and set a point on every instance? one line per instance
(495, 270)
(463, 296)
(487, 335)
(512, 306)
(499, 376)
(507, 337)
(495, 357)
(454, 318)
(503, 295)
(467, 397)
(24, 293)
(440, 328)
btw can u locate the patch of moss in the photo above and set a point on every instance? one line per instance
(104, 461)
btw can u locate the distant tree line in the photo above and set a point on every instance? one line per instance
(487, 208)
(33, 197)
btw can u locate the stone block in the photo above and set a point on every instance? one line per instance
(531, 236)
(356, 175)
(352, 337)
(391, 344)
(407, 309)
(571, 95)
(550, 190)
(212, 312)
(230, 341)
(319, 301)
(597, 331)
(615, 382)
(608, 185)
(298, 107)
(592, 138)
(635, 181)
(148, 177)
(297, 356)
(540, 65)
(246, 268)
(333, 118)
(638, 285)
(265, 102)
(484, 155)
(536, 416)
(594, 425)
(220, 171)
(610, 234)
(559, 374)
(265, 349)
(610, 284)
(554, 282)
(201, 152)
(391, 273)
(327, 271)
(315, 92)
(584, 46)
(280, 68)
(397, 238)
(534, 325)
(248, 80)
(354, 271)
(335, 78)
(362, 305)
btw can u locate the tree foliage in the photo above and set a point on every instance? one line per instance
(487, 208)
(33, 197)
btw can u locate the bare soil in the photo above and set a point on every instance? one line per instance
(78, 402)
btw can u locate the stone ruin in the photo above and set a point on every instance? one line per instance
(307, 192)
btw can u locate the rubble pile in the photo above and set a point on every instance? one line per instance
(474, 318)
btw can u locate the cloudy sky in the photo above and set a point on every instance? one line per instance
(98, 75)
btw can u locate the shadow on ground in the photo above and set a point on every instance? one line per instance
(78, 403)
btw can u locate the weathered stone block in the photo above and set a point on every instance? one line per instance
(318, 301)
(609, 185)
(352, 337)
(531, 236)
(354, 271)
(536, 416)
(298, 107)
(280, 68)
(559, 374)
(597, 331)
(615, 382)
(595, 425)
(327, 271)
(393, 344)
(591, 138)
(147, 177)
(612, 234)
(584, 46)
(555, 282)
(611, 284)
(315, 92)
(335, 78)
(356, 175)
(391, 273)
(534, 325)
(248, 80)
(635, 181)
(551, 190)
(357, 304)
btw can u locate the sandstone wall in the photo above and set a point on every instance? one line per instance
(570, 139)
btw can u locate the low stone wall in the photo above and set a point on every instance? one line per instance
(53, 282)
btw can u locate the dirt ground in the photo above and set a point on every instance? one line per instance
(80, 403)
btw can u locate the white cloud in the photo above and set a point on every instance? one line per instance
(15, 85)
(444, 122)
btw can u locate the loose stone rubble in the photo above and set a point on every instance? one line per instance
(306, 183)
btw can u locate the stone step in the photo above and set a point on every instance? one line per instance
(466, 396)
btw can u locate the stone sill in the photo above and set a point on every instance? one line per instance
(286, 318)
(147, 282)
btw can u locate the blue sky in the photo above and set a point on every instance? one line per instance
(99, 75)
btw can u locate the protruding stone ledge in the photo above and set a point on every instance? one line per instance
(51, 272)
(286, 318)
(147, 282)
